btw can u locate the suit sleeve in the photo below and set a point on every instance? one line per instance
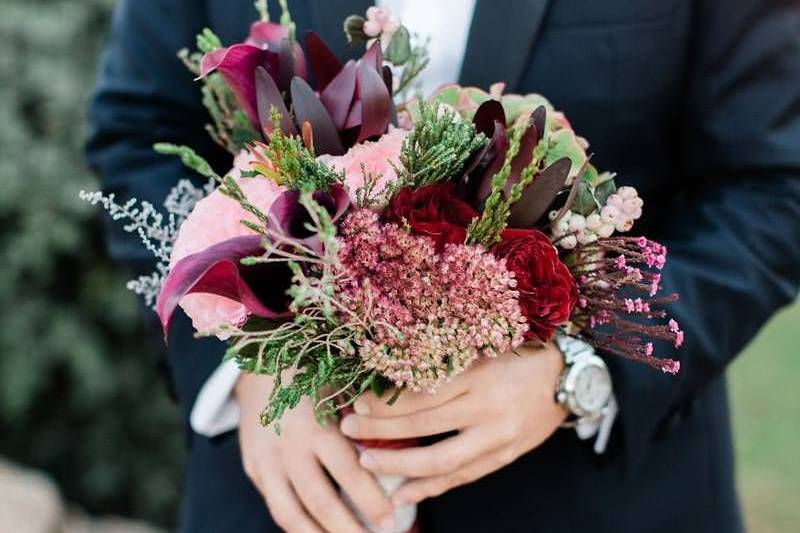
(734, 232)
(144, 95)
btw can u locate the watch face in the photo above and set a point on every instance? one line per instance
(592, 388)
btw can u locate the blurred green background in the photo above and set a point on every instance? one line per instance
(79, 394)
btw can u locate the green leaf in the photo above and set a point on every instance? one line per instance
(604, 190)
(399, 49)
(563, 143)
(585, 203)
(380, 385)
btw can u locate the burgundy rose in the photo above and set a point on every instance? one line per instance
(432, 210)
(548, 292)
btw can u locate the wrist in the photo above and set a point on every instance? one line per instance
(584, 386)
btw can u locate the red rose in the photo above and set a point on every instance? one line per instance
(432, 210)
(548, 292)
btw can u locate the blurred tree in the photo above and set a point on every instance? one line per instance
(80, 394)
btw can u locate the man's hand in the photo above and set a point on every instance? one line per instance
(289, 469)
(501, 408)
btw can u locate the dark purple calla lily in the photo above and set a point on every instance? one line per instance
(289, 217)
(218, 270)
(237, 64)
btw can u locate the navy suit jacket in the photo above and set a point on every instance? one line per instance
(694, 102)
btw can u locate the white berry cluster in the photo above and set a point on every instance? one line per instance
(618, 214)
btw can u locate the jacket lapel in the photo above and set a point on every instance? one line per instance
(327, 18)
(501, 38)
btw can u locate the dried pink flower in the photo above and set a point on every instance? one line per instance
(610, 273)
(432, 315)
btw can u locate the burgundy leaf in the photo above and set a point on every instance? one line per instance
(373, 56)
(339, 93)
(500, 147)
(538, 118)
(488, 113)
(527, 144)
(291, 63)
(307, 107)
(376, 104)
(237, 65)
(218, 270)
(539, 195)
(354, 116)
(268, 96)
(324, 64)
(388, 79)
(289, 217)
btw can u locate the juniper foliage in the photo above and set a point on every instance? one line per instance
(438, 146)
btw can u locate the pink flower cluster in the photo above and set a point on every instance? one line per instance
(429, 315)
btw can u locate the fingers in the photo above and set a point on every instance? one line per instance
(437, 459)
(284, 506)
(453, 415)
(408, 402)
(319, 497)
(420, 489)
(341, 461)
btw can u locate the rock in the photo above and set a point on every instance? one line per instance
(77, 522)
(29, 501)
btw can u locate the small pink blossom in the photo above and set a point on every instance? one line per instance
(679, 338)
(671, 366)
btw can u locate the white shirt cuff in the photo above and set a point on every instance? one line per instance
(600, 427)
(216, 410)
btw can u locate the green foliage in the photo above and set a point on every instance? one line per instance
(313, 355)
(593, 190)
(438, 146)
(294, 164)
(486, 229)
(80, 393)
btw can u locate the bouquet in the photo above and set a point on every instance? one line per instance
(365, 240)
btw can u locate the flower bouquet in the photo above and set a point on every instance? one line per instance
(369, 241)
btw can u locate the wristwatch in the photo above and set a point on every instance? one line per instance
(584, 386)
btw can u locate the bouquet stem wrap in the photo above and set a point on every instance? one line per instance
(405, 518)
